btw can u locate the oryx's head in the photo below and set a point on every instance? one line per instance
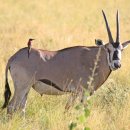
(113, 49)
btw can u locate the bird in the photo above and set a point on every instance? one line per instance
(29, 44)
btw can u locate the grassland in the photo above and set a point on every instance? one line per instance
(56, 24)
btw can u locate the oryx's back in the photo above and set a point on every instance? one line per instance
(65, 67)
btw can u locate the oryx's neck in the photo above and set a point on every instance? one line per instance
(103, 69)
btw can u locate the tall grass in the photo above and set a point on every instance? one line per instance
(56, 24)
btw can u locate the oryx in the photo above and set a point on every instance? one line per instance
(57, 72)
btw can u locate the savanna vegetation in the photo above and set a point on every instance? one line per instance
(57, 24)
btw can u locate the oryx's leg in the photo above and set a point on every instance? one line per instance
(71, 101)
(23, 104)
(83, 97)
(23, 81)
(77, 93)
(18, 101)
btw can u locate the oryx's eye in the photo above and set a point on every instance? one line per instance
(115, 55)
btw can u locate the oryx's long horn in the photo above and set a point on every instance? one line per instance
(108, 29)
(118, 28)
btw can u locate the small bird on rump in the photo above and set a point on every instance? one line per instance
(29, 45)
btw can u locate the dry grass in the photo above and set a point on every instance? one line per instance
(57, 24)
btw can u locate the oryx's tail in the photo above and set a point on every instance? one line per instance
(7, 92)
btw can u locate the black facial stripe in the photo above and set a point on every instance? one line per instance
(109, 55)
(115, 55)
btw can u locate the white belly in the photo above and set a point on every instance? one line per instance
(43, 88)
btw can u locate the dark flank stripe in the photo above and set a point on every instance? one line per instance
(48, 82)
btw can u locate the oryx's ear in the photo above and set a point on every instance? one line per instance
(125, 44)
(98, 42)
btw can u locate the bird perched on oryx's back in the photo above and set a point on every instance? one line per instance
(29, 45)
